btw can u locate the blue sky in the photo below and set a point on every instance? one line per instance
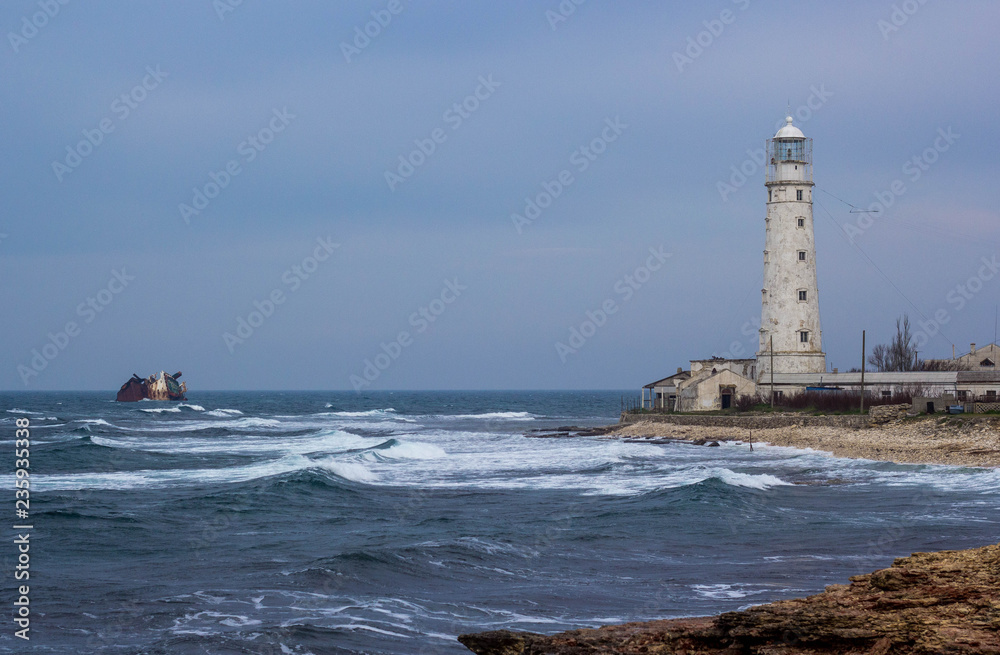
(691, 88)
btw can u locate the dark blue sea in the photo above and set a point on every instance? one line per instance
(296, 523)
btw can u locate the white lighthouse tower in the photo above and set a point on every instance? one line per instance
(789, 317)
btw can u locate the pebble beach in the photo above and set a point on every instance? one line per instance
(927, 440)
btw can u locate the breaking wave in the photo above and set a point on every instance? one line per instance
(224, 413)
(151, 479)
(393, 449)
(370, 412)
(509, 416)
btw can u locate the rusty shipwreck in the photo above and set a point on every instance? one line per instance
(164, 387)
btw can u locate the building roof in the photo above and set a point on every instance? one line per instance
(683, 375)
(884, 377)
(789, 131)
(978, 376)
(719, 360)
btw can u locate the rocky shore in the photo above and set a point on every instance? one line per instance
(955, 440)
(925, 604)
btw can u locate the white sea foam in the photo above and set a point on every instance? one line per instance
(35, 416)
(718, 591)
(160, 410)
(362, 626)
(354, 471)
(412, 450)
(483, 546)
(370, 412)
(22, 411)
(197, 408)
(224, 413)
(171, 477)
(326, 442)
(245, 423)
(759, 481)
(510, 416)
(95, 421)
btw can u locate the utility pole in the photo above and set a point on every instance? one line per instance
(770, 347)
(862, 372)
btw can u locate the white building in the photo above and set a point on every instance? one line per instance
(790, 334)
(789, 316)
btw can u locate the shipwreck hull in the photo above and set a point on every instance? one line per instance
(166, 387)
(133, 390)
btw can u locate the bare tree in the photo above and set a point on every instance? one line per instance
(898, 355)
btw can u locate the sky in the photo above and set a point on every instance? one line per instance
(390, 195)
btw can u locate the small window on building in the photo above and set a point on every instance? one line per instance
(767, 256)
(801, 222)
(962, 394)
(991, 395)
(798, 194)
(802, 255)
(779, 394)
(987, 363)
(802, 295)
(804, 336)
(886, 394)
(769, 195)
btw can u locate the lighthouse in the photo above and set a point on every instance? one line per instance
(789, 316)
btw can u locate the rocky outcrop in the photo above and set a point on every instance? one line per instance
(925, 604)
(882, 414)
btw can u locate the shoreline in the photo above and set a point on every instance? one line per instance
(946, 601)
(946, 440)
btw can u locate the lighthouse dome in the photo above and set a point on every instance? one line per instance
(789, 131)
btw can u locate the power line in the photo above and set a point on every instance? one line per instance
(855, 209)
(844, 234)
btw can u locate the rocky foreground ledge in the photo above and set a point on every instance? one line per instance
(926, 604)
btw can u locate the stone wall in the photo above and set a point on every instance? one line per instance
(749, 421)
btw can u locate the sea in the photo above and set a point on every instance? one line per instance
(340, 522)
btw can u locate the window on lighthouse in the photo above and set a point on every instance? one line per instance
(802, 295)
(798, 194)
(804, 336)
(801, 222)
(802, 255)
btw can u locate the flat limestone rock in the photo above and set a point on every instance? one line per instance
(925, 604)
